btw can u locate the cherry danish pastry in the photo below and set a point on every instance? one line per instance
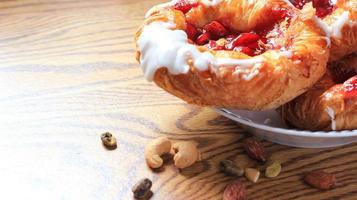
(245, 54)
(331, 104)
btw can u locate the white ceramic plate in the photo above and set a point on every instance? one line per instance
(269, 126)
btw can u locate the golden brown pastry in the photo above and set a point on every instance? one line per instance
(339, 20)
(241, 54)
(331, 104)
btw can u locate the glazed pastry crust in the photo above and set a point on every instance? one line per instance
(347, 42)
(279, 79)
(311, 110)
(242, 15)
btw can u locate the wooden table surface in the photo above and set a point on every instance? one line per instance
(68, 73)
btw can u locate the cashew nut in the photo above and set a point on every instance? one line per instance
(155, 149)
(186, 153)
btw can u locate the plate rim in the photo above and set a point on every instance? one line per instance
(294, 132)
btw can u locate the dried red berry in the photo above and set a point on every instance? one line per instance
(320, 179)
(216, 29)
(244, 39)
(203, 38)
(185, 5)
(255, 149)
(191, 31)
(234, 191)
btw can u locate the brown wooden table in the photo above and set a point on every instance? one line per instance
(68, 73)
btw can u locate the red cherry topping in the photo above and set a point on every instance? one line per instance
(245, 39)
(230, 37)
(185, 5)
(216, 29)
(245, 50)
(323, 7)
(253, 45)
(278, 14)
(213, 45)
(274, 16)
(192, 31)
(299, 3)
(216, 36)
(264, 40)
(350, 87)
(203, 38)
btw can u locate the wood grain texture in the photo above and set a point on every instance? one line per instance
(68, 73)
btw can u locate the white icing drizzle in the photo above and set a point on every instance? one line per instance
(336, 27)
(334, 30)
(328, 96)
(325, 28)
(162, 47)
(286, 53)
(253, 73)
(331, 114)
(209, 3)
(241, 62)
(248, 73)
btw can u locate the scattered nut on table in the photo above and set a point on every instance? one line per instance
(273, 169)
(252, 174)
(320, 179)
(142, 188)
(230, 168)
(255, 149)
(186, 153)
(235, 190)
(154, 149)
(109, 141)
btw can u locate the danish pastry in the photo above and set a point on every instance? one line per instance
(331, 104)
(338, 19)
(256, 54)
